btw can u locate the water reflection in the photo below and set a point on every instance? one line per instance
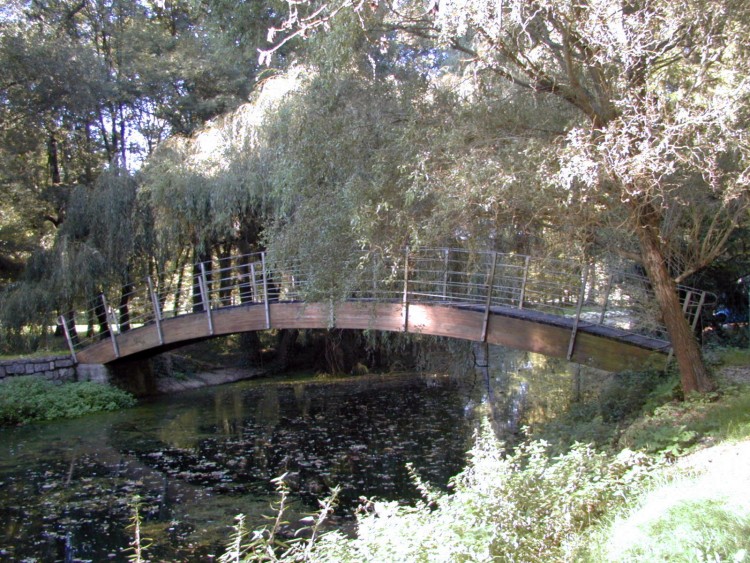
(530, 389)
(199, 458)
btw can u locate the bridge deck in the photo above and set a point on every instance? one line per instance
(582, 342)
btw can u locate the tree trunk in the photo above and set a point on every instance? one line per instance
(70, 319)
(286, 340)
(101, 318)
(343, 350)
(124, 306)
(53, 159)
(693, 375)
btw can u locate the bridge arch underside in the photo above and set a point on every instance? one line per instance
(594, 345)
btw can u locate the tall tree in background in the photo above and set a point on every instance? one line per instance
(89, 90)
(660, 98)
(90, 85)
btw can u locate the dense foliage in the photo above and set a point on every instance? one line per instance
(138, 138)
(27, 399)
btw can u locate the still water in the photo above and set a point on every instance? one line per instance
(199, 458)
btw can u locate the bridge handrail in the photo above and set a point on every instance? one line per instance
(590, 293)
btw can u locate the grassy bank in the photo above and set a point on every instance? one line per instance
(662, 479)
(28, 399)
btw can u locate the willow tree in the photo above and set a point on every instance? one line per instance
(205, 191)
(334, 157)
(659, 97)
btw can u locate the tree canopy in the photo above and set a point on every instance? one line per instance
(142, 135)
(654, 143)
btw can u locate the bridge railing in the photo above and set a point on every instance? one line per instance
(591, 294)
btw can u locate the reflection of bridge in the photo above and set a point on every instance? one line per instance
(562, 309)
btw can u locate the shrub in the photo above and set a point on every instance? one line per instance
(627, 393)
(524, 506)
(27, 399)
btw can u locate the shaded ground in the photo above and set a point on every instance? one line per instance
(205, 378)
(736, 374)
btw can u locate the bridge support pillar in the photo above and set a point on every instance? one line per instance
(98, 373)
(577, 320)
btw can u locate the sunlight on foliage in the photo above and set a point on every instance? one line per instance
(701, 514)
(519, 506)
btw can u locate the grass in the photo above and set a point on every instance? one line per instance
(730, 357)
(698, 508)
(37, 354)
(665, 529)
(700, 517)
(676, 428)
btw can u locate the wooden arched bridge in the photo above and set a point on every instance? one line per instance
(586, 313)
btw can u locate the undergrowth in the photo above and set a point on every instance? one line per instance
(27, 399)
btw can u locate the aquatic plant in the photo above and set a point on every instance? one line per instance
(29, 398)
(139, 543)
(266, 544)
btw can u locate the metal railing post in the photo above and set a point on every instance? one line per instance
(698, 309)
(446, 251)
(255, 283)
(204, 297)
(686, 302)
(576, 321)
(265, 289)
(488, 303)
(110, 318)
(157, 309)
(522, 296)
(405, 303)
(68, 337)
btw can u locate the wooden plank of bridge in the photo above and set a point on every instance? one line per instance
(525, 330)
(371, 316)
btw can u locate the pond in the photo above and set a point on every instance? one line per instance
(199, 458)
